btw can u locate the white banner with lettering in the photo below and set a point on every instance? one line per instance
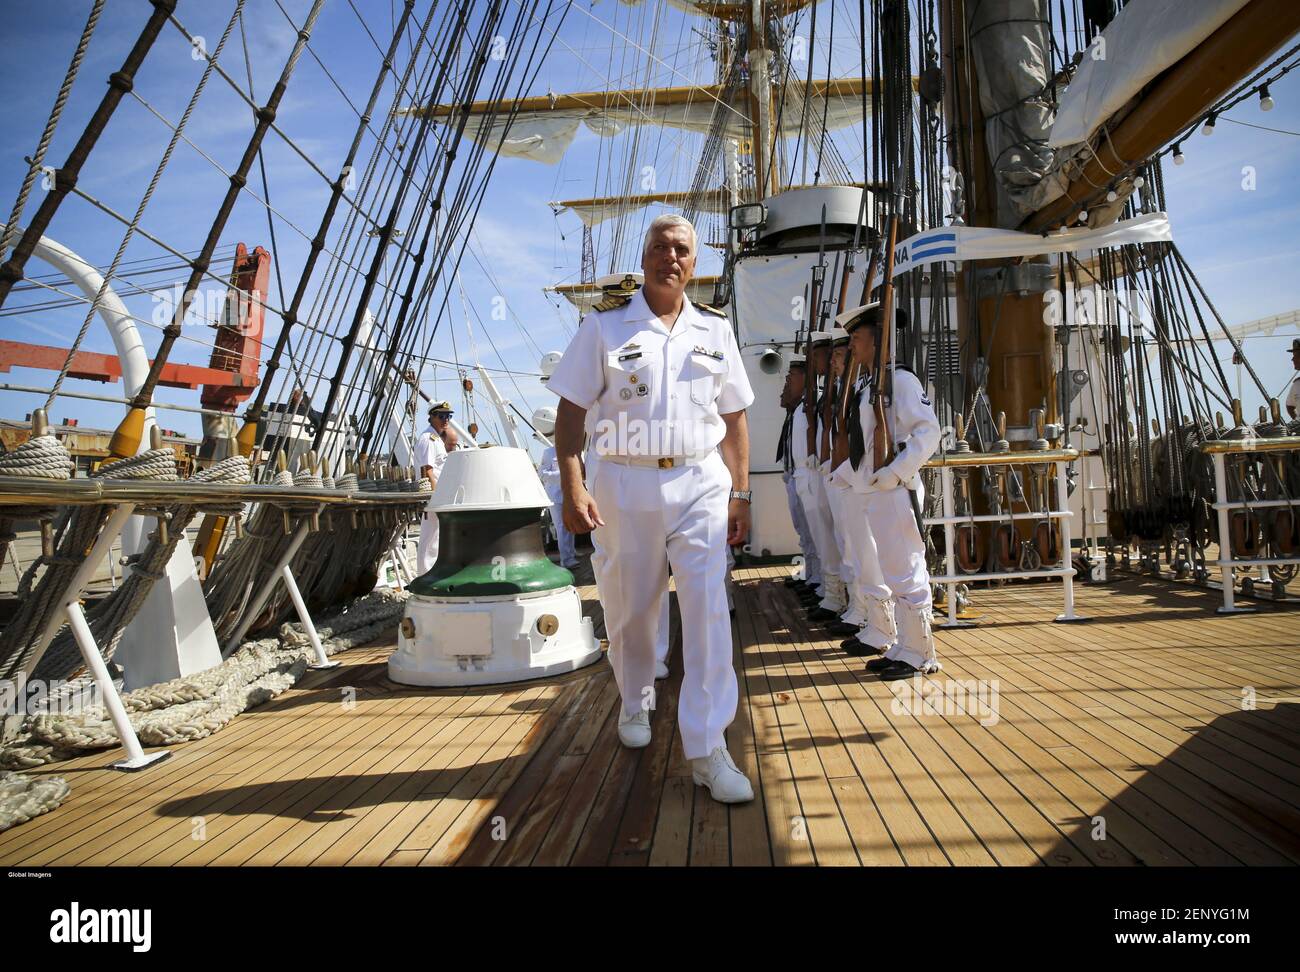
(958, 243)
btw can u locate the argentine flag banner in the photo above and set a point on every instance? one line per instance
(958, 243)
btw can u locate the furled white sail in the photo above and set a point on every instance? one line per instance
(595, 211)
(542, 128)
(583, 296)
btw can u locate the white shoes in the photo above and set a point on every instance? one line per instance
(634, 730)
(661, 670)
(726, 783)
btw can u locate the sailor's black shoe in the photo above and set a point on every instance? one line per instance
(897, 671)
(821, 614)
(852, 646)
(841, 628)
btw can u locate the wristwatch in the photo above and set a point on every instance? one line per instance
(743, 494)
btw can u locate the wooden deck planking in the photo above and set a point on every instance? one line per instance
(1135, 717)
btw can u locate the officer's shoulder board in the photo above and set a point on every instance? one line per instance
(612, 302)
(708, 309)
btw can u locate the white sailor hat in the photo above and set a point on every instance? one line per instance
(620, 282)
(854, 316)
(850, 320)
(831, 334)
(797, 360)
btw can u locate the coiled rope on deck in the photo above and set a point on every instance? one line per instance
(199, 705)
(23, 797)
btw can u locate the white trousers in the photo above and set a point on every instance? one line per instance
(842, 517)
(808, 484)
(812, 568)
(871, 602)
(427, 552)
(564, 538)
(663, 626)
(655, 518)
(901, 554)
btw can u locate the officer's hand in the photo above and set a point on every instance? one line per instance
(580, 513)
(737, 522)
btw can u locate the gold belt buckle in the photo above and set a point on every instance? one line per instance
(666, 462)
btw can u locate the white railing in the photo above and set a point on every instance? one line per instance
(946, 463)
(1228, 564)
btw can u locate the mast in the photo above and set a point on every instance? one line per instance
(1000, 328)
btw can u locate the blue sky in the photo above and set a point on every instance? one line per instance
(1242, 243)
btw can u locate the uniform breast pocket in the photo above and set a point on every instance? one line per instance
(706, 376)
(630, 379)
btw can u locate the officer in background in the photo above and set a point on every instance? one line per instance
(430, 456)
(892, 495)
(665, 379)
(549, 472)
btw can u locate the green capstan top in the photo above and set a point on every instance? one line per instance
(486, 553)
(486, 580)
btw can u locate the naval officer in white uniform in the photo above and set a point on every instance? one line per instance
(430, 457)
(669, 391)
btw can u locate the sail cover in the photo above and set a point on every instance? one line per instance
(1146, 38)
(1010, 42)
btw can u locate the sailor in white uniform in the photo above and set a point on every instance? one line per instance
(794, 439)
(891, 516)
(430, 456)
(665, 379)
(810, 481)
(548, 470)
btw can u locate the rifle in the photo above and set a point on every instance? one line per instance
(840, 441)
(828, 397)
(814, 305)
(882, 444)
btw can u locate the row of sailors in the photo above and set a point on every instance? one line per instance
(859, 527)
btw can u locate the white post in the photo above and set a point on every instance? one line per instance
(322, 660)
(85, 571)
(1225, 536)
(135, 756)
(1067, 563)
(508, 424)
(264, 595)
(949, 539)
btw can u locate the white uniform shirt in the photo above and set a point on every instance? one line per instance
(654, 392)
(1292, 401)
(916, 432)
(549, 471)
(429, 451)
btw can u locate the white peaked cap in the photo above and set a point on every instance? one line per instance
(620, 281)
(854, 313)
(833, 334)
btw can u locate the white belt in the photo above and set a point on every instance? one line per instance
(654, 462)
